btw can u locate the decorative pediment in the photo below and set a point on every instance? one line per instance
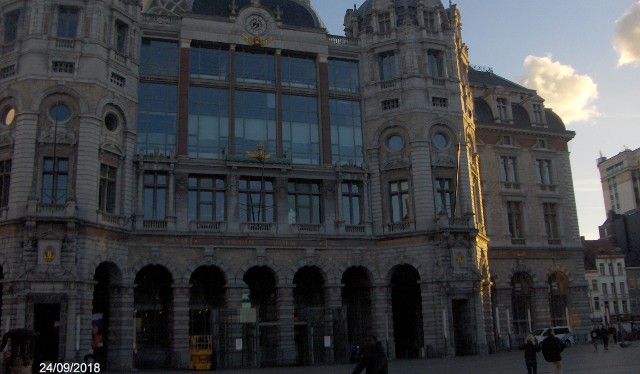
(167, 7)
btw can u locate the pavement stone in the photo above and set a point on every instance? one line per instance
(577, 359)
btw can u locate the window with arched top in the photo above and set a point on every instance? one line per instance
(522, 292)
(558, 290)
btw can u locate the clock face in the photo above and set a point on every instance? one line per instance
(256, 24)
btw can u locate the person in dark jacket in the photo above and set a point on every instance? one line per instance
(551, 348)
(604, 334)
(374, 359)
(531, 350)
(595, 336)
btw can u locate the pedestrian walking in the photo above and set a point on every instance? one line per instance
(374, 358)
(551, 349)
(595, 336)
(531, 350)
(604, 335)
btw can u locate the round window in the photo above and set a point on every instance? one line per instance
(60, 112)
(111, 122)
(8, 116)
(395, 143)
(440, 140)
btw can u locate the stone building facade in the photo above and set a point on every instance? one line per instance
(536, 257)
(228, 169)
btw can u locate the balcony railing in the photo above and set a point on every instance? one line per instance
(398, 227)
(262, 227)
(342, 40)
(305, 228)
(355, 229)
(154, 225)
(66, 43)
(210, 226)
(518, 241)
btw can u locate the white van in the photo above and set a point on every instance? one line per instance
(564, 333)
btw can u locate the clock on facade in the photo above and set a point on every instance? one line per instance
(256, 24)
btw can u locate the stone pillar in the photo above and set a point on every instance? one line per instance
(287, 348)
(121, 328)
(180, 333)
(382, 317)
(79, 321)
(333, 305)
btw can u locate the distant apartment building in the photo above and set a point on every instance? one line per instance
(620, 179)
(609, 288)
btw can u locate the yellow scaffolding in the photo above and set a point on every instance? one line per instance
(200, 349)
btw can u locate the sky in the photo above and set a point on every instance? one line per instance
(582, 57)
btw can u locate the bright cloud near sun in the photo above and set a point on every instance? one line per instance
(627, 35)
(568, 93)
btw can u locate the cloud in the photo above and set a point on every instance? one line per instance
(626, 36)
(569, 94)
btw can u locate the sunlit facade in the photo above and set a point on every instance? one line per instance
(228, 169)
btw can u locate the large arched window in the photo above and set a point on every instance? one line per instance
(558, 289)
(521, 301)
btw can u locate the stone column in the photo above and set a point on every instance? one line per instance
(333, 305)
(79, 321)
(287, 348)
(382, 317)
(180, 324)
(121, 328)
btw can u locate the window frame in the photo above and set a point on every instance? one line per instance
(5, 182)
(266, 189)
(297, 192)
(107, 188)
(55, 180)
(399, 201)
(198, 191)
(68, 22)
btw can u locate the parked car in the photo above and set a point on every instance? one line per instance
(564, 333)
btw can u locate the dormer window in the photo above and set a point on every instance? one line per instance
(501, 105)
(537, 114)
(506, 140)
(541, 144)
(430, 18)
(384, 23)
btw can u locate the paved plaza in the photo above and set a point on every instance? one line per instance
(578, 359)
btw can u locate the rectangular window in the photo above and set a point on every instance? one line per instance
(439, 102)
(5, 182)
(298, 71)
(159, 57)
(67, 22)
(255, 122)
(508, 172)
(390, 104)
(155, 196)
(256, 198)
(610, 266)
(206, 199)
(304, 202)
(594, 285)
(107, 189)
(122, 36)
(399, 201)
(351, 198)
(434, 63)
(614, 289)
(601, 269)
(55, 176)
(384, 23)
(157, 118)
(501, 104)
(387, 66)
(11, 23)
(516, 226)
(255, 67)
(65, 67)
(596, 303)
(605, 289)
(619, 266)
(208, 62)
(430, 20)
(208, 122)
(343, 76)
(544, 175)
(346, 131)
(301, 129)
(625, 309)
(537, 113)
(118, 79)
(445, 194)
(550, 211)
(622, 288)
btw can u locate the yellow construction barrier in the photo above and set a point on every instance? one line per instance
(200, 349)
